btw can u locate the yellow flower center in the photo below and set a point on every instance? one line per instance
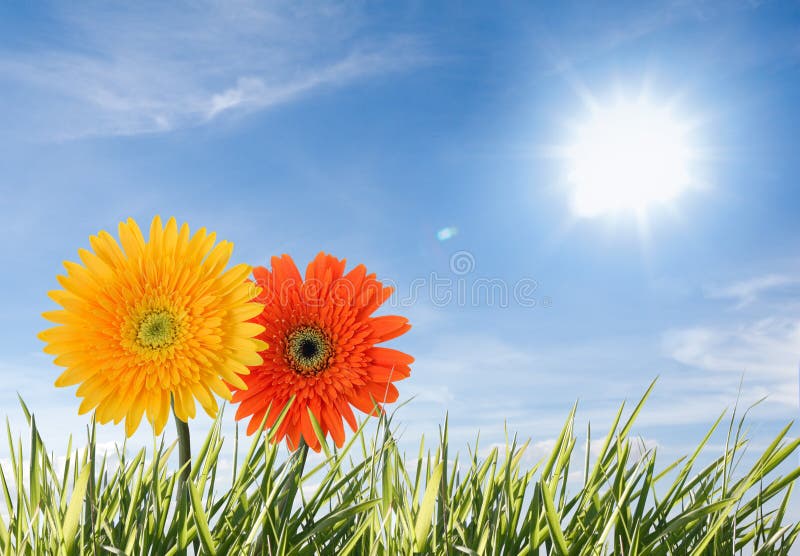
(308, 350)
(157, 330)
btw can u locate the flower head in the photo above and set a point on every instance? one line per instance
(153, 323)
(322, 350)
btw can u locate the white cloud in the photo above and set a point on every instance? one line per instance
(760, 348)
(149, 69)
(8, 470)
(310, 489)
(748, 291)
(768, 347)
(256, 93)
(534, 453)
(436, 394)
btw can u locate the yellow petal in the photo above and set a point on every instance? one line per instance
(205, 398)
(231, 371)
(218, 258)
(107, 249)
(233, 277)
(163, 412)
(219, 388)
(87, 405)
(239, 343)
(247, 329)
(74, 375)
(61, 317)
(247, 357)
(135, 413)
(131, 238)
(246, 312)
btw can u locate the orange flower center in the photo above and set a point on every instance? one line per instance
(308, 350)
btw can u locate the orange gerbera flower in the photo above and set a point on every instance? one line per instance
(322, 352)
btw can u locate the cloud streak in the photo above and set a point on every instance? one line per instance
(748, 291)
(256, 93)
(761, 345)
(156, 68)
(767, 346)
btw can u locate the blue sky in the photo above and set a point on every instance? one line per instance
(363, 130)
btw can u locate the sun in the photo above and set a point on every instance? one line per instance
(627, 157)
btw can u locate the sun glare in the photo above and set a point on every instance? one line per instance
(627, 157)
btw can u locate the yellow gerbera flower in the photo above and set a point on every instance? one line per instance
(153, 322)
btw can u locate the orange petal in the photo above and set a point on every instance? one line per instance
(284, 270)
(389, 374)
(363, 402)
(308, 431)
(347, 413)
(388, 327)
(387, 357)
(383, 393)
(334, 422)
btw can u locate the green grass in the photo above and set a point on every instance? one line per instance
(369, 498)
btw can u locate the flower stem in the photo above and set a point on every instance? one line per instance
(184, 451)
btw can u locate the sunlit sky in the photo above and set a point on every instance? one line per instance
(415, 138)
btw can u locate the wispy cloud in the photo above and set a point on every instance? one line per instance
(157, 67)
(257, 93)
(747, 291)
(769, 347)
(761, 345)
